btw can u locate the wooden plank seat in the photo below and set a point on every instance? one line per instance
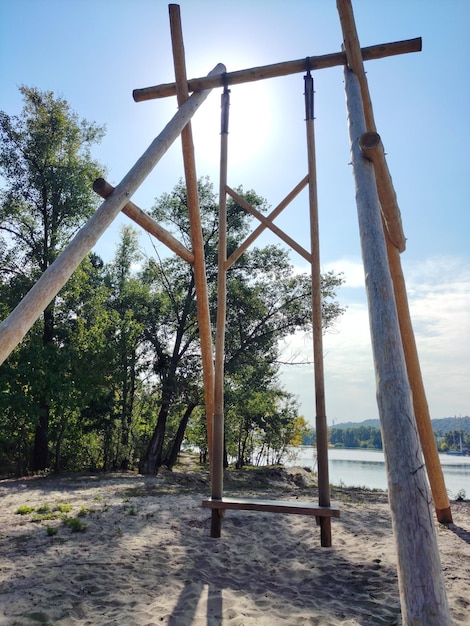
(296, 507)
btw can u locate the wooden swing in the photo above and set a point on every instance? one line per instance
(323, 512)
(422, 592)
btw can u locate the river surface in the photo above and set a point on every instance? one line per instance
(366, 468)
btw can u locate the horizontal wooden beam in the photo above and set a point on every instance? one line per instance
(105, 189)
(295, 507)
(279, 69)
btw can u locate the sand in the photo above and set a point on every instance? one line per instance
(146, 557)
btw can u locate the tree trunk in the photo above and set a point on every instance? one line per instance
(41, 436)
(172, 456)
(153, 456)
(58, 445)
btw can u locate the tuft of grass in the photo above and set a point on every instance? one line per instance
(42, 517)
(83, 512)
(51, 531)
(63, 507)
(24, 509)
(76, 525)
(43, 508)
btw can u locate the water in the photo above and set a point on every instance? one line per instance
(366, 468)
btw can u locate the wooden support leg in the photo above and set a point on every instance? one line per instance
(325, 532)
(216, 523)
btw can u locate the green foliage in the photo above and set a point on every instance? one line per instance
(75, 524)
(361, 437)
(43, 508)
(111, 374)
(47, 176)
(65, 507)
(453, 441)
(24, 509)
(83, 512)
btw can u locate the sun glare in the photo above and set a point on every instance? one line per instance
(251, 116)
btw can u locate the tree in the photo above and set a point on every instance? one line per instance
(129, 309)
(48, 173)
(266, 302)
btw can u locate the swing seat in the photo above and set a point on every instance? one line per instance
(295, 507)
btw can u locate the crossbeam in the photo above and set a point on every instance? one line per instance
(105, 189)
(276, 70)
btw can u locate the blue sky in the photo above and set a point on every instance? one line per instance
(95, 52)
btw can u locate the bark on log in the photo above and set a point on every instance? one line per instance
(422, 591)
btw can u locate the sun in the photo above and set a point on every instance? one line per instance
(250, 126)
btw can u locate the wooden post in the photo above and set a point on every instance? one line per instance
(20, 320)
(202, 299)
(372, 147)
(217, 468)
(279, 69)
(422, 591)
(420, 405)
(317, 329)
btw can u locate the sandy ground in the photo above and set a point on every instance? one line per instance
(146, 557)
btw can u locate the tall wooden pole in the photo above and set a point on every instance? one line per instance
(372, 147)
(217, 468)
(202, 299)
(20, 320)
(422, 591)
(320, 406)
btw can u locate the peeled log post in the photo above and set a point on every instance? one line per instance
(422, 591)
(372, 148)
(104, 189)
(197, 240)
(421, 408)
(321, 425)
(275, 70)
(370, 145)
(388, 199)
(217, 467)
(20, 320)
(391, 214)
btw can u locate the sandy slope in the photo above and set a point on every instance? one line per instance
(146, 556)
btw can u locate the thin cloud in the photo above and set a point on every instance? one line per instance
(439, 299)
